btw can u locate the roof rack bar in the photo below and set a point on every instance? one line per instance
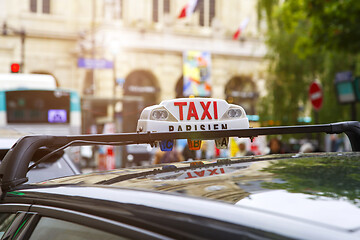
(351, 129)
(15, 164)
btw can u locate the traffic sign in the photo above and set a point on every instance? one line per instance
(95, 63)
(316, 95)
(345, 86)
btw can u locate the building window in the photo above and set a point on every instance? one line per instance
(113, 9)
(33, 6)
(206, 12)
(40, 6)
(159, 9)
(155, 15)
(46, 6)
(166, 6)
(201, 12)
(211, 11)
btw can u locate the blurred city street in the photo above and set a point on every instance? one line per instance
(91, 66)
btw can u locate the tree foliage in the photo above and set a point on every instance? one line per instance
(302, 48)
(335, 24)
(325, 176)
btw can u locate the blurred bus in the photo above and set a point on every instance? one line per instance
(32, 104)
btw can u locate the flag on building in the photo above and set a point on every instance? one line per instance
(188, 9)
(241, 28)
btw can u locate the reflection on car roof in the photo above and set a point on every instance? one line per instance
(262, 183)
(234, 174)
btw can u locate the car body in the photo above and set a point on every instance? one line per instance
(292, 196)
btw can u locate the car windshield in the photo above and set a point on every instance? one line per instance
(59, 165)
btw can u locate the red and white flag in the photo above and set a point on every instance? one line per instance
(241, 28)
(188, 9)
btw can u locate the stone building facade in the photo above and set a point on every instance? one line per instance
(143, 39)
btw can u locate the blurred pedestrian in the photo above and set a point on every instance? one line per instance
(204, 152)
(188, 154)
(168, 156)
(243, 148)
(337, 144)
(307, 148)
(276, 146)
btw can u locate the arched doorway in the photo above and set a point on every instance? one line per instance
(241, 90)
(142, 84)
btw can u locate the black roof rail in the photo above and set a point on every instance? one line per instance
(15, 165)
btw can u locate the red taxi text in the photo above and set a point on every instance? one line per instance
(205, 173)
(193, 113)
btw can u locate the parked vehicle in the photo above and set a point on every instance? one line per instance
(279, 196)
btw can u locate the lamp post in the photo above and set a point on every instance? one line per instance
(120, 154)
(22, 63)
(114, 49)
(93, 45)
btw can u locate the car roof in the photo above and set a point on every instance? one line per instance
(257, 183)
(116, 201)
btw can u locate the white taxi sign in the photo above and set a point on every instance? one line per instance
(192, 114)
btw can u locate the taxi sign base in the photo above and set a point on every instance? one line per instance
(194, 144)
(222, 143)
(166, 145)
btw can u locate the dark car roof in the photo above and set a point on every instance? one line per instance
(321, 190)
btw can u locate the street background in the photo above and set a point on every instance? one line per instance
(285, 62)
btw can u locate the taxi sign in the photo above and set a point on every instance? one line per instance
(192, 114)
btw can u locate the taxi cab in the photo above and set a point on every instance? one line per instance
(285, 196)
